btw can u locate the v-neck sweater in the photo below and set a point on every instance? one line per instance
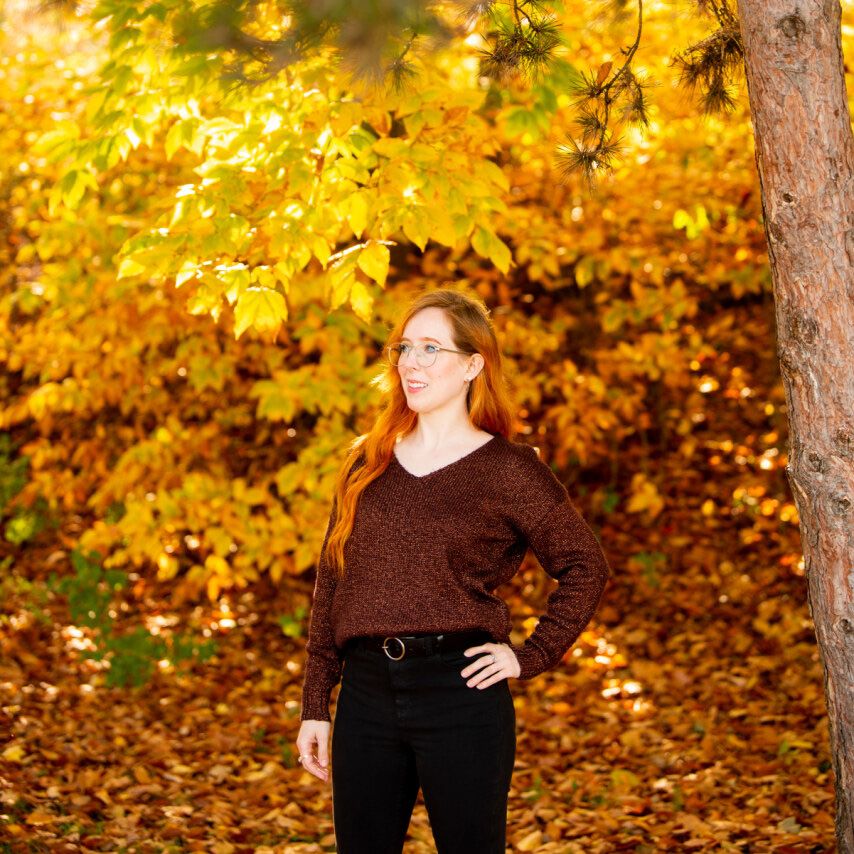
(426, 553)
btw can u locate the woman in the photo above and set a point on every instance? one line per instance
(439, 508)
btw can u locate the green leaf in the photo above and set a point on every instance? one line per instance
(520, 120)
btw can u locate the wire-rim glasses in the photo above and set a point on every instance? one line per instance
(425, 354)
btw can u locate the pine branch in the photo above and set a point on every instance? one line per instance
(712, 66)
(590, 161)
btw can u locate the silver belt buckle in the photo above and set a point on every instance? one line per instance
(402, 648)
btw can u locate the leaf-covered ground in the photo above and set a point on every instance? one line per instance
(690, 717)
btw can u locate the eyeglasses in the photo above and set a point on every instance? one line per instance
(425, 354)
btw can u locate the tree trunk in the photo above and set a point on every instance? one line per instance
(805, 157)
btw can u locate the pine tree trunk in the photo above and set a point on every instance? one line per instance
(805, 157)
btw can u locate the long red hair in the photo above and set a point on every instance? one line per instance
(488, 401)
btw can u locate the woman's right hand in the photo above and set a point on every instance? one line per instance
(313, 746)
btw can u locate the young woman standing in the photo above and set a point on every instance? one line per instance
(438, 508)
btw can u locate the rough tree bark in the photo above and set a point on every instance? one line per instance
(805, 157)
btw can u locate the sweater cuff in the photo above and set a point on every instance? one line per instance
(321, 677)
(314, 708)
(530, 660)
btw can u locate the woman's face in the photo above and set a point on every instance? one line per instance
(446, 378)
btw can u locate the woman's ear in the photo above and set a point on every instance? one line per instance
(477, 364)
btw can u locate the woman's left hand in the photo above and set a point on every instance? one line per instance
(498, 663)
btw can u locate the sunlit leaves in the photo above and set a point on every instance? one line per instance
(250, 215)
(261, 308)
(361, 300)
(693, 225)
(417, 225)
(354, 207)
(71, 188)
(287, 177)
(184, 133)
(487, 245)
(645, 498)
(374, 260)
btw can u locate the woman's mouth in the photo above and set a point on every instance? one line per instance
(414, 387)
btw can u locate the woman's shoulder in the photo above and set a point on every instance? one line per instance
(528, 472)
(522, 453)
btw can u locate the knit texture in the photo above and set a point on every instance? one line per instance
(426, 554)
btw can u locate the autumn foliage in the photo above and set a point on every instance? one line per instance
(195, 281)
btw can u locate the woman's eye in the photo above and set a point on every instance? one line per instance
(431, 348)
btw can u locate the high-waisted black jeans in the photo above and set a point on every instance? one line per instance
(401, 724)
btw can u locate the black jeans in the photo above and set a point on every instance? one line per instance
(401, 724)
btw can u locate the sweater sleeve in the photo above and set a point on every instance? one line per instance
(569, 552)
(323, 662)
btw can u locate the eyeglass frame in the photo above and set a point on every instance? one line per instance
(429, 343)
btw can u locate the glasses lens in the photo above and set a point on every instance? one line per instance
(398, 352)
(425, 354)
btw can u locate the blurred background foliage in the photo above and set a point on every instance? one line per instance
(196, 277)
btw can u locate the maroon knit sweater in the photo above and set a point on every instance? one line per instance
(426, 554)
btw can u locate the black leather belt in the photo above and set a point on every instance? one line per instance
(401, 646)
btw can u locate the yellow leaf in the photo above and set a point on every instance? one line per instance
(129, 267)
(167, 566)
(341, 280)
(362, 301)
(373, 260)
(262, 308)
(417, 226)
(585, 271)
(623, 780)
(40, 816)
(531, 842)
(62, 132)
(174, 139)
(357, 213)
(645, 497)
(390, 147)
(320, 248)
(488, 245)
(492, 172)
(13, 753)
(444, 230)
